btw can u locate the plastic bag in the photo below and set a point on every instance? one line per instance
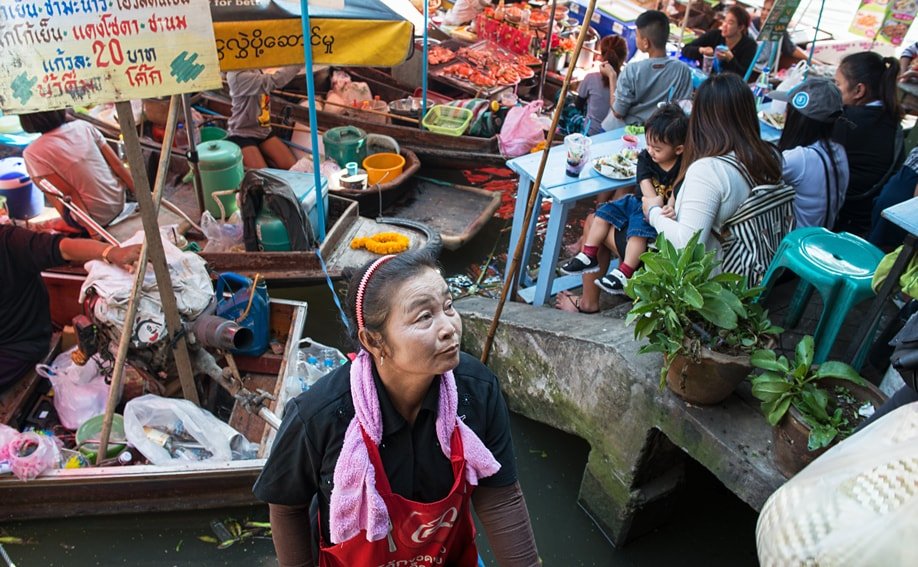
(794, 76)
(521, 130)
(80, 392)
(223, 236)
(171, 431)
(7, 434)
(31, 454)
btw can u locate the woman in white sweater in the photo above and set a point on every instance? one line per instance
(723, 136)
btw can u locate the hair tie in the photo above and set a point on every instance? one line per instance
(362, 288)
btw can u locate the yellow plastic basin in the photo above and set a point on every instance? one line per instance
(383, 167)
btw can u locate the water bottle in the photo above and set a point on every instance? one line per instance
(761, 89)
(329, 359)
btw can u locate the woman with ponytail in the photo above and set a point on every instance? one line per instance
(868, 132)
(395, 447)
(593, 95)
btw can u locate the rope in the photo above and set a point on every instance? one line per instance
(331, 287)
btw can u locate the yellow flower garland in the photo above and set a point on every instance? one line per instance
(382, 243)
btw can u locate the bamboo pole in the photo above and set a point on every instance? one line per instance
(510, 277)
(114, 392)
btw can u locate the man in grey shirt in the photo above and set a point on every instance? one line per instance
(644, 84)
(250, 122)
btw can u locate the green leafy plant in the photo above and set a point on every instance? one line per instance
(677, 300)
(783, 384)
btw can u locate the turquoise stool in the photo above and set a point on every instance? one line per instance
(840, 266)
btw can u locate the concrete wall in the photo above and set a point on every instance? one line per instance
(583, 374)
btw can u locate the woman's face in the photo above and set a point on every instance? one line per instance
(848, 90)
(423, 329)
(730, 28)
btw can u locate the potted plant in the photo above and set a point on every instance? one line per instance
(811, 406)
(705, 325)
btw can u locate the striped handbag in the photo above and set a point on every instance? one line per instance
(751, 236)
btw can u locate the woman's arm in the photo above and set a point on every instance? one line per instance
(290, 529)
(505, 518)
(699, 203)
(694, 51)
(83, 249)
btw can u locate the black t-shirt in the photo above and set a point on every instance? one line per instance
(868, 135)
(306, 449)
(25, 317)
(662, 180)
(743, 52)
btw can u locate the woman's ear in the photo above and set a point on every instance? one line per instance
(371, 341)
(860, 91)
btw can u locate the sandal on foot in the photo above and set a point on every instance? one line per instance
(575, 301)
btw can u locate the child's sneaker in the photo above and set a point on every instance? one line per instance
(580, 264)
(614, 282)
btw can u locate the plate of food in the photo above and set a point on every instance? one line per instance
(773, 119)
(622, 165)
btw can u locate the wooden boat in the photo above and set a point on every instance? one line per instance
(456, 212)
(155, 488)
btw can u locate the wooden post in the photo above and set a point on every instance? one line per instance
(510, 276)
(124, 343)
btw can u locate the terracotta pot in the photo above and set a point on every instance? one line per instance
(709, 381)
(790, 436)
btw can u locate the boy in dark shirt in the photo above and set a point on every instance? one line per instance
(657, 168)
(25, 316)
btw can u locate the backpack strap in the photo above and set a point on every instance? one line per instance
(740, 167)
(825, 172)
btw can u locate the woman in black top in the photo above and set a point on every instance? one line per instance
(867, 83)
(734, 33)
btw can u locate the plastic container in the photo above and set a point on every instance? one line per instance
(212, 134)
(344, 144)
(221, 170)
(449, 120)
(23, 200)
(234, 306)
(92, 430)
(383, 167)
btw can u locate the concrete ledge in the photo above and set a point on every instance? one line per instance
(583, 374)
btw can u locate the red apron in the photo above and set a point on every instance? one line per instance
(420, 534)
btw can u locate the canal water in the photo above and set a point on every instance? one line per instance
(710, 526)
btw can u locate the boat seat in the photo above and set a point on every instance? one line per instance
(839, 265)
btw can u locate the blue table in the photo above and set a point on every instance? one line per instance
(564, 191)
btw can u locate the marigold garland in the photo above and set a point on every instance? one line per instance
(382, 243)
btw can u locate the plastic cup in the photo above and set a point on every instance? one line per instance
(578, 153)
(707, 65)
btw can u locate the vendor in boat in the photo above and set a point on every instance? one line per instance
(464, 11)
(75, 158)
(25, 316)
(396, 445)
(250, 123)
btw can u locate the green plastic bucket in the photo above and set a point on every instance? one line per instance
(212, 134)
(345, 144)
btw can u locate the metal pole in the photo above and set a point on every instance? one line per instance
(313, 121)
(48, 187)
(551, 24)
(192, 153)
(809, 59)
(510, 278)
(424, 66)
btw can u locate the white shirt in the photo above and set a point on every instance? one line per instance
(712, 191)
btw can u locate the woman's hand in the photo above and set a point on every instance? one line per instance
(706, 50)
(650, 202)
(724, 55)
(607, 70)
(125, 256)
(668, 211)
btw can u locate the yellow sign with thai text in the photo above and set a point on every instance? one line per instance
(272, 43)
(64, 53)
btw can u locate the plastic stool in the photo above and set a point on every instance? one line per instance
(840, 266)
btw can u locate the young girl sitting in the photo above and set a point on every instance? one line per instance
(656, 171)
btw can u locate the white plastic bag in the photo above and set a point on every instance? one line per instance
(795, 75)
(177, 419)
(223, 236)
(80, 392)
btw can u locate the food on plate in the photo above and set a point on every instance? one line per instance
(528, 59)
(617, 166)
(634, 129)
(538, 19)
(773, 119)
(438, 54)
(461, 70)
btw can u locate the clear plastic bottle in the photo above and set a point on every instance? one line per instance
(761, 89)
(329, 359)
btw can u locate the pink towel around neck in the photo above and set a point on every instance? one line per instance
(355, 502)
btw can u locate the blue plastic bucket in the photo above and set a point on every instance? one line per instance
(23, 200)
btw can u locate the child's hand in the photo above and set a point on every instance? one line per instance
(668, 211)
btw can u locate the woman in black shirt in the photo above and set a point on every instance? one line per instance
(734, 34)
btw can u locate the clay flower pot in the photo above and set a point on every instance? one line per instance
(709, 381)
(790, 436)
